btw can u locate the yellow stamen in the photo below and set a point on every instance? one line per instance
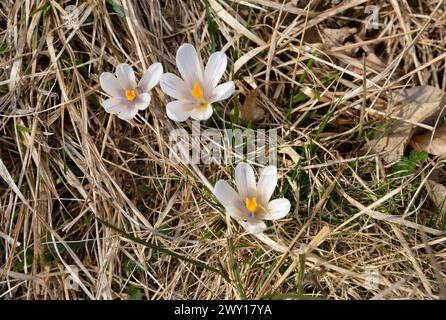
(251, 204)
(130, 95)
(197, 92)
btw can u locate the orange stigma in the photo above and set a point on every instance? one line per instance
(197, 92)
(130, 95)
(251, 204)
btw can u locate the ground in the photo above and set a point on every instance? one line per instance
(93, 207)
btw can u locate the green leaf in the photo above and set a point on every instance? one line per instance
(83, 68)
(235, 118)
(35, 37)
(163, 229)
(135, 292)
(259, 252)
(143, 188)
(3, 47)
(408, 166)
(404, 167)
(45, 8)
(416, 156)
(212, 29)
(235, 269)
(217, 232)
(293, 296)
(162, 249)
(299, 97)
(331, 77)
(117, 8)
(29, 260)
(131, 266)
(94, 103)
(22, 129)
(63, 153)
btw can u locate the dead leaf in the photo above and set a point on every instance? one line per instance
(336, 37)
(434, 144)
(371, 59)
(250, 110)
(336, 40)
(415, 105)
(436, 190)
(312, 36)
(374, 60)
(291, 153)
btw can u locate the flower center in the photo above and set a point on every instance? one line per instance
(130, 95)
(251, 204)
(197, 91)
(203, 106)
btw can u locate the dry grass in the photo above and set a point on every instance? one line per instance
(71, 174)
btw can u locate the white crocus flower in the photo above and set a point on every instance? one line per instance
(251, 204)
(199, 87)
(127, 97)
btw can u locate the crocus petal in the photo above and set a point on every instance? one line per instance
(215, 69)
(178, 110)
(267, 184)
(175, 87)
(230, 199)
(113, 105)
(142, 101)
(110, 84)
(151, 77)
(128, 113)
(254, 226)
(126, 76)
(201, 113)
(245, 180)
(239, 213)
(276, 209)
(222, 92)
(189, 64)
